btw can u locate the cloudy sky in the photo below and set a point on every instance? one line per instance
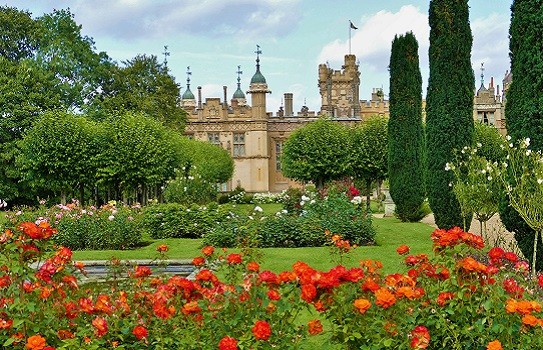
(213, 37)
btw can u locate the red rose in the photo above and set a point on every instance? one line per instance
(234, 259)
(262, 330)
(140, 332)
(315, 327)
(228, 343)
(402, 250)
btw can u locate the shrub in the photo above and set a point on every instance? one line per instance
(173, 220)
(291, 231)
(108, 227)
(337, 214)
(190, 190)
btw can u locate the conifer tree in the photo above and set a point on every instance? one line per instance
(405, 132)
(524, 104)
(449, 107)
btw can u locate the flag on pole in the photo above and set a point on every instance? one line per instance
(352, 25)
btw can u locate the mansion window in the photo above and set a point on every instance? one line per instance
(213, 137)
(486, 117)
(278, 153)
(239, 145)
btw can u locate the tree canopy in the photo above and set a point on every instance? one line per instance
(319, 151)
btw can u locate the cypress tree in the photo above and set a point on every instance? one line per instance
(405, 133)
(524, 104)
(449, 104)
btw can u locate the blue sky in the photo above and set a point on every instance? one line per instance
(213, 37)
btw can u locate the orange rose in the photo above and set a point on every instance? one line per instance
(100, 326)
(494, 345)
(362, 305)
(315, 327)
(36, 342)
(530, 320)
(384, 298)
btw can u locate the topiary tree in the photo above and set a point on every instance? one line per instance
(59, 154)
(318, 152)
(405, 132)
(449, 103)
(524, 104)
(370, 153)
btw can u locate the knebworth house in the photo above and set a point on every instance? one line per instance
(254, 137)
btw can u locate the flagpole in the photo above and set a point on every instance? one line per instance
(350, 28)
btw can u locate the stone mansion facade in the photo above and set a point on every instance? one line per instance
(255, 137)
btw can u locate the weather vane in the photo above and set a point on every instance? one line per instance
(166, 53)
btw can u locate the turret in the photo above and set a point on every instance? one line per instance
(258, 90)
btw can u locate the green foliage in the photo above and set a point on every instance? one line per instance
(476, 185)
(521, 174)
(292, 199)
(107, 228)
(524, 103)
(369, 157)
(191, 189)
(405, 131)
(63, 50)
(20, 34)
(449, 103)
(175, 220)
(319, 152)
(138, 151)
(211, 162)
(335, 213)
(60, 152)
(291, 231)
(145, 86)
(489, 142)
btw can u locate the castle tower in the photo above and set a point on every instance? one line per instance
(187, 100)
(258, 90)
(340, 89)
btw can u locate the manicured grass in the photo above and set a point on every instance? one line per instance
(390, 234)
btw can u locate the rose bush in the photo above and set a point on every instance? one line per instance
(460, 297)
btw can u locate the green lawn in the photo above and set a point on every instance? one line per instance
(390, 234)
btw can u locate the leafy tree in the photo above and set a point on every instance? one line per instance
(370, 154)
(19, 34)
(78, 70)
(524, 104)
(59, 153)
(319, 151)
(204, 166)
(142, 85)
(26, 91)
(139, 153)
(210, 161)
(405, 131)
(449, 103)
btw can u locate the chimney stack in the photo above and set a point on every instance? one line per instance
(225, 98)
(199, 97)
(288, 104)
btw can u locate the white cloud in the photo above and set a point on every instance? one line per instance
(371, 44)
(491, 46)
(372, 41)
(135, 19)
